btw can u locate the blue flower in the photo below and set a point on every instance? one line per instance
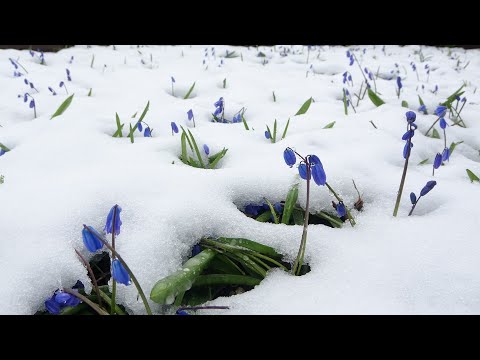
(66, 299)
(411, 116)
(219, 103)
(429, 186)
(113, 216)
(181, 312)
(408, 135)
(399, 83)
(173, 79)
(278, 207)
(446, 154)
(174, 128)
(405, 149)
(139, 126)
(443, 123)
(68, 75)
(348, 54)
(267, 134)
(414, 67)
(32, 104)
(147, 132)
(25, 97)
(413, 198)
(206, 149)
(25, 81)
(190, 114)
(318, 174)
(440, 111)
(13, 63)
(2, 151)
(302, 170)
(341, 210)
(351, 60)
(314, 159)
(252, 209)
(438, 161)
(52, 306)
(119, 273)
(423, 109)
(61, 84)
(464, 99)
(289, 157)
(52, 91)
(237, 118)
(91, 239)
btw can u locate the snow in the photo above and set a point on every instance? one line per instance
(69, 171)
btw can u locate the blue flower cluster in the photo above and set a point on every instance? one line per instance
(350, 56)
(61, 299)
(411, 127)
(309, 167)
(426, 189)
(219, 114)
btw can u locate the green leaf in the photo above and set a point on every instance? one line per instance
(275, 131)
(274, 97)
(200, 160)
(189, 91)
(4, 148)
(304, 107)
(332, 219)
(290, 202)
(93, 59)
(184, 156)
(214, 163)
(375, 99)
(188, 139)
(453, 145)
(90, 92)
(345, 107)
(224, 264)
(435, 134)
(298, 216)
(224, 83)
(2, 179)
(286, 129)
(272, 210)
(420, 100)
(264, 217)
(271, 136)
(130, 134)
(251, 245)
(61, 109)
(404, 104)
(144, 112)
(165, 290)
(134, 115)
(329, 126)
(118, 133)
(423, 162)
(472, 176)
(244, 122)
(260, 54)
(225, 279)
(452, 97)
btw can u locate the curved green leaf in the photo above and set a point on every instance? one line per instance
(61, 109)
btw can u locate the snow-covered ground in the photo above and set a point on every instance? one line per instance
(69, 171)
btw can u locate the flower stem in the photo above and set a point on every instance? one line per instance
(339, 199)
(402, 181)
(194, 308)
(114, 283)
(297, 266)
(92, 276)
(134, 279)
(413, 207)
(431, 127)
(86, 301)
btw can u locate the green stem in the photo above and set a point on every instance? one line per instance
(339, 199)
(86, 301)
(134, 279)
(413, 207)
(107, 299)
(303, 244)
(225, 279)
(431, 127)
(402, 181)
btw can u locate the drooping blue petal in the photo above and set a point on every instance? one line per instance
(52, 306)
(446, 154)
(278, 207)
(113, 214)
(438, 161)
(190, 114)
(32, 104)
(147, 132)
(73, 301)
(443, 123)
(319, 175)
(174, 127)
(196, 249)
(91, 239)
(413, 198)
(140, 126)
(219, 102)
(289, 157)
(405, 149)
(267, 134)
(173, 79)
(341, 210)
(399, 82)
(411, 116)
(252, 209)
(440, 111)
(408, 135)
(62, 297)
(181, 312)
(302, 170)
(314, 159)
(206, 149)
(422, 108)
(119, 273)
(429, 186)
